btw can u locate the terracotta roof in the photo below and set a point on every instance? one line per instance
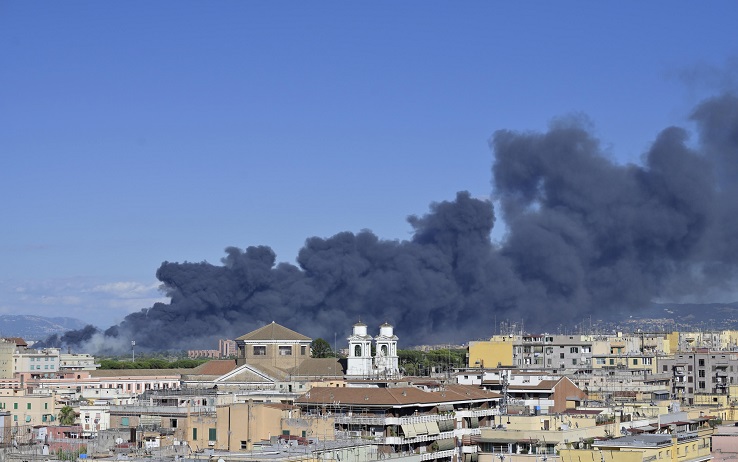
(17, 340)
(542, 385)
(319, 367)
(274, 331)
(214, 367)
(394, 397)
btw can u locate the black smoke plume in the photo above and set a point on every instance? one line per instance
(584, 236)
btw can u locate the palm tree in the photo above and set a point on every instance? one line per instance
(67, 416)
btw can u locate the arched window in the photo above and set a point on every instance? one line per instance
(384, 350)
(357, 350)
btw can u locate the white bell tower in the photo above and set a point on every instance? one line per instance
(386, 360)
(359, 363)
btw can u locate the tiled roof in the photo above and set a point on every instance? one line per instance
(319, 367)
(274, 331)
(214, 367)
(392, 397)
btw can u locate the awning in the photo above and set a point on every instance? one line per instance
(446, 425)
(432, 428)
(473, 457)
(446, 444)
(409, 430)
(421, 429)
(474, 422)
(445, 407)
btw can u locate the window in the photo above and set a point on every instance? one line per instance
(666, 368)
(701, 362)
(46, 406)
(211, 434)
(357, 350)
(194, 434)
(260, 350)
(124, 421)
(15, 405)
(285, 350)
(600, 360)
(701, 384)
(574, 350)
(15, 418)
(612, 362)
(561, 355)
(303, 350)
(635, 361)
(701, 373)
(28, 405)
(244, 445)
(286, 432)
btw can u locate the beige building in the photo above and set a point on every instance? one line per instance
(274, 346)
(6, 359)
(239, 426)
(26, 408)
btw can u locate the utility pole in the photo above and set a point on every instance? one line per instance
(133, 350)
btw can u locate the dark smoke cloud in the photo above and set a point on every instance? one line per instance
(585, 236)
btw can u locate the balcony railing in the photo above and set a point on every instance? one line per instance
(438, 454)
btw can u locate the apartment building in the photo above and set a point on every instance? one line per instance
(28, 408)
(702, 372)
(405, 419)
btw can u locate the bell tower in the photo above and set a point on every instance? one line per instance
(386, 361)
(359, 363)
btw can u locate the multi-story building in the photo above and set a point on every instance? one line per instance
(404, 420)
(39, 363)
(28, 408)
(701, 371)
(7, 349)
(77, 362)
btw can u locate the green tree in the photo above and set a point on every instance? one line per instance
(67, 415)
(319, 348)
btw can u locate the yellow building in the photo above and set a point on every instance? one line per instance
(238, 426)
(676, 447)
(495, 352)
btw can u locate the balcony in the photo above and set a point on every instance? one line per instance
(438, 454)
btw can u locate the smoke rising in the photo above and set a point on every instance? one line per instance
(585, 236)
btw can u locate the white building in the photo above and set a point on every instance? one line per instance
(41, 363)
(384, 363)
(359, 363)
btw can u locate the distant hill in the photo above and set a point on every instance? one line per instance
(36, 327)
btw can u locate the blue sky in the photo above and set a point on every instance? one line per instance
(137, 132)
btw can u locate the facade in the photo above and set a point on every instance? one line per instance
(77, 362)
(495, 352)
(39, 363)
(701, 371)
(361, 363)
(28, 408)
(6, 359)
(273, 346)
(405, 420)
